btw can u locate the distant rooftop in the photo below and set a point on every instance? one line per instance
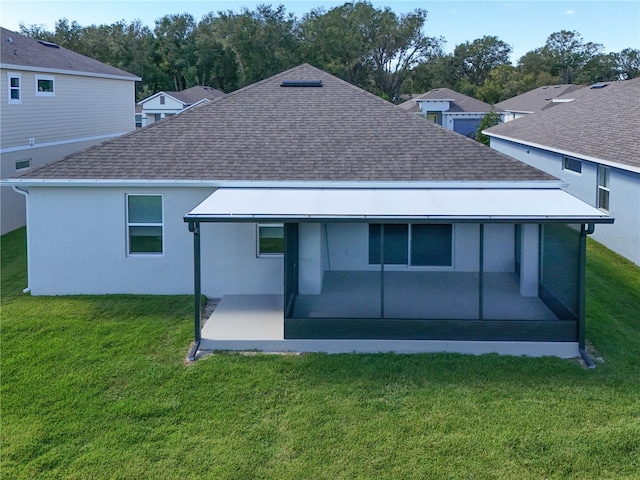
(602, 122)
(459, 102)
(23, 53)
(536, 99)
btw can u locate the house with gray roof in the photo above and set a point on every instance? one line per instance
(54, 102)
(164, 104)
(453, 110)
(324, 218)
(540, 98)
(592, 144)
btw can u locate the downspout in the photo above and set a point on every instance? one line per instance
(194, 227)
(26, 199)
(585, 229)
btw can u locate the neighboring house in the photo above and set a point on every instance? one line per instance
(54, 102)
(535, 100)
(451, 109)
(326, 219)
(164, 104)
(593, 144)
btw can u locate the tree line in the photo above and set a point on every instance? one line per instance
(374, 48)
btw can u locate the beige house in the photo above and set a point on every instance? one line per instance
(54, 102)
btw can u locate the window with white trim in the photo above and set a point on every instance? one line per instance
(45, 86)
(144, 224)
(571, 164)
(14, 83)
(416, 245)
(270, 239)
(603, 188)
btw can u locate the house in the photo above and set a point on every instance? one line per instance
(451, 109)
(535, 100)
(325, 219)
(592, 144)
(54, 102)
(164, 104)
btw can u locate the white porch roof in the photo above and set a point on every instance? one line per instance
(439, 204)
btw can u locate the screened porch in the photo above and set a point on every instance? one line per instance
(432, 281)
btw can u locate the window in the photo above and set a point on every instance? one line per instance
(15, 95)
(572, 164)
(603, 188)
(45, 86)
(144, 224)
(162, 100)
(22, 164)
(270, 239)
(420, 245)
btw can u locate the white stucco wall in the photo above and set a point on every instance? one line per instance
(623, 236)
(77, 245)
(78, 238)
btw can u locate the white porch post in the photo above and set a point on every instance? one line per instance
(529, 260)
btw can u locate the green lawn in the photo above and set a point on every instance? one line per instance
(97, 387)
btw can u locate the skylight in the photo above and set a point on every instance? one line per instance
(48, 44)
(301, 83)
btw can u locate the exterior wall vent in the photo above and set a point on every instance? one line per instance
(301, 83)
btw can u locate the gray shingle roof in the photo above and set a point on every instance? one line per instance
(461, 103)
(195, 94)
(536, 99)
(601, 123)
(266, 132)
(23, 51)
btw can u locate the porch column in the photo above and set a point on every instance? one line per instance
(194, 227)
(529, 260)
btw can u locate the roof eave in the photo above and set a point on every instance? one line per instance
(560, 151)
(29, 68)
(433, 184)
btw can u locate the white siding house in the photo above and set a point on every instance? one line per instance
(165, 104)
(592, 144)
(316, 232)
(54, 102)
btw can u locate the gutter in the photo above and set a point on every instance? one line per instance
(317, 184)
(26, 197)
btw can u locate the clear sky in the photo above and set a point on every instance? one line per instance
(523, 24)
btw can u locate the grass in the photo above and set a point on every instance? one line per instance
(97, 387)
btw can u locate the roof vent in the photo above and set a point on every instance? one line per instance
(9, 40)
(599, 85)
(48, 44)
(557, 86)
(301, 83)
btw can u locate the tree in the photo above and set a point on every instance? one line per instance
(263, 42)
(628, 63)
(477, 58)
(370, 47)
(175, 47)
(568, 54)
(488, 120)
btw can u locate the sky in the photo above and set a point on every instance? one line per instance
(524, 25)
